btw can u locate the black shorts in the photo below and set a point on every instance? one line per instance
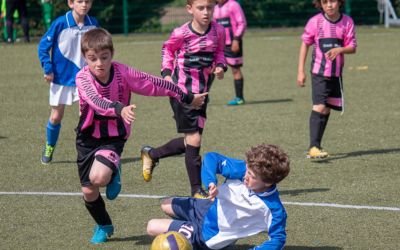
(327, 91)
(234, 59)
(108, 151)
(187, 118)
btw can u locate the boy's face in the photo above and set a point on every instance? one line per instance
(99, 63)
(253, 182)
(202, 11)
(330, 7)
(80, 7)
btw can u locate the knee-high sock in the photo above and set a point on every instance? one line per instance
(97, 210)
(173, 147)
(53, 131)
(318, 124)
(193, 166)
(239, 88)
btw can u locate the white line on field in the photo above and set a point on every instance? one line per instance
(310, 204)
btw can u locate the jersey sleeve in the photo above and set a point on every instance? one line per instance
(309, 32)
(219, 56)
(350, 36)
(149, 85)
(168, 51)
(45, 45)
(276, 231)
(89, 94)
(215, 163)
(237, 14)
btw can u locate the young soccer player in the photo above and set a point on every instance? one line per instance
(190, 58)
(229, 14)
(332, 35)
(63, 39)
(247, 203)
(106, 115)
(11, 7)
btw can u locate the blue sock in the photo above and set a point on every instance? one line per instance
(52, 133)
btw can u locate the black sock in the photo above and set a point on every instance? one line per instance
(173, 147)
(97, 210)
(239, 88)
(193, 166)
(318, 123)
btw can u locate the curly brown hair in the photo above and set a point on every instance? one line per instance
(269, 162)
(318, 5)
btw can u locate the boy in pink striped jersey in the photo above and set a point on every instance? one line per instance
(332, 35)
(104, 88)
(191, 57)
(229, 14)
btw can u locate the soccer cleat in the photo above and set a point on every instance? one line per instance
(315, 153)
(148, 163)
(101, 233)
(114, 187)
(200, 194)
(236, 101)
(47, 154)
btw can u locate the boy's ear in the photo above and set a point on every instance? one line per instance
(70, 3)
(189, 9)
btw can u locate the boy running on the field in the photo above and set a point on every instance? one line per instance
(332, 35)
(247, 203)
(63, 39)
(106, 115)
(191, 57)
(229, 14)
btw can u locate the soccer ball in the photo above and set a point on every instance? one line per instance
(171, 241)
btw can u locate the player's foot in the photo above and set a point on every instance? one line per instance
(47, 154)
(314, 153)
(236, 101)
(200, 194)
(114, 187)
(101, 233)
(148, 163)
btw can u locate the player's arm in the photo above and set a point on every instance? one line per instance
(168, 53)
(236, 13)
(215, 163)
(220, 62)
(45, 45)
(149, 85)
(276, 231)
(349, 41)
(301, 76)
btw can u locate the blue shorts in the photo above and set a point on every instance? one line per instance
(189, 214)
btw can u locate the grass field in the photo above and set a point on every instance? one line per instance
(363, 169)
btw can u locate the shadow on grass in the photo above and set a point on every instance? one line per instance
(356, 154)
(139, 239)
(311, 248)
(269, 101)
(296, 192)
(131, 159)
(3, 137)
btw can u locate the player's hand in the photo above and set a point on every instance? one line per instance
(219, 72)
(212, 191)
(235, 46)
(333, 53)
(168, 78)
(198, 100)
(128, 113)
(301, 79)
(49, 78)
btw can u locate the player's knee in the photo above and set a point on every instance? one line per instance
(151, 227)
(99, 180)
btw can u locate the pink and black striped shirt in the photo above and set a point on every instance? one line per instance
(231, 16)
(101, 104)
(325, 35)
(190, 57)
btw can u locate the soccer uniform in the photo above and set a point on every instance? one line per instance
(189, 57)
(236, 212)
(64, 40)
(101, 131)
(231, 16)
(326, 74)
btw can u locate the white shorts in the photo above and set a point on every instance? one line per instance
(60, 94)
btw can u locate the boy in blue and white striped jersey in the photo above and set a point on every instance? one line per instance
(247, 203)
(63, 39)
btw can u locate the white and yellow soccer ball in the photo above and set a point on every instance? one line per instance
(171, 241)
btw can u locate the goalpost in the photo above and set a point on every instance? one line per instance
(387, 12)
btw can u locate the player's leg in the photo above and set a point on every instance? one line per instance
(23, 13)
(193, 163)
(238, 84)
(10, 8)
(158, 226)
(53, 128)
